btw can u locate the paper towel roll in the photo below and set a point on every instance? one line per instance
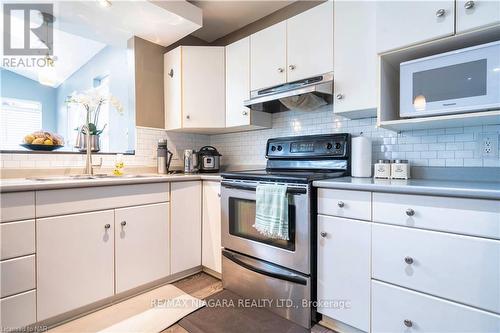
(361, 157)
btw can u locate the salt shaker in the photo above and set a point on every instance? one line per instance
(400, 169)
(382, 169)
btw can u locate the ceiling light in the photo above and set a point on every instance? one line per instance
(104, 3)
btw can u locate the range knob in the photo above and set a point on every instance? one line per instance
(338, 145)
(273, 148)
(329, 145)
(280, 148)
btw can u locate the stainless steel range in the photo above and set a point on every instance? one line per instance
(281, 271)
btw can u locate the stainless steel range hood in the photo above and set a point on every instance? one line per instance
(268, 99)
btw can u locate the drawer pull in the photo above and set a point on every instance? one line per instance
(410, 212)
(123, 223)
(323, 234)
(107, 226)
(340, 204)
(408, 323)
(409, 260)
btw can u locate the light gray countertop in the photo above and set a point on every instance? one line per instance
(467, 189)
(23, 184)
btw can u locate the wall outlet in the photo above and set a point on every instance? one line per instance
(487, 145)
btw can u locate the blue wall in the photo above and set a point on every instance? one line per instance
(20, 87)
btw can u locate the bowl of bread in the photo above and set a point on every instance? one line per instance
(43, 140)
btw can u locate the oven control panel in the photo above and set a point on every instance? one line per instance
(310, 146)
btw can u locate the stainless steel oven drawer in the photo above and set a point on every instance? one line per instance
(255, 279)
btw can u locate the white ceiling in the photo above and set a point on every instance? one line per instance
(223, 17)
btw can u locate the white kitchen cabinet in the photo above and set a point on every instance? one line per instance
(477, 14)
(268, 57)
(310, 42)
(211, 227)
(404, 23)
(355, 59)
(194, 88)
(141, 245)
(344, 270)
(185, 212)
(75, 261)
(238, 89)
(17, 311)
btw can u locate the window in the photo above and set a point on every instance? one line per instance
(12, 131)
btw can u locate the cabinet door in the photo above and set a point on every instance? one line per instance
(405, 23)
(185, 210)
(344, 270)
(355, 57)
(268, 57)
(211, 229)
(476, 14)
(142, 245)
(310, 42)
(173, 89)
(75, 261)
(237, 82)
(203, 88)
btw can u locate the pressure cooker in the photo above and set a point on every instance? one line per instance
(209, 159)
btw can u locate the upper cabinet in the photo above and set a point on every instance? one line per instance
(194, 88)
(355, 59)
(238, 89)
(476, 14)
(295, 49)
(309, 42)
(405, 23)
(268, 57)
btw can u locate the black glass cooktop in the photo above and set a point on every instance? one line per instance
(297, 176)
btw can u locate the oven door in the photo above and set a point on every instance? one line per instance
(462, 81)
(238, 233)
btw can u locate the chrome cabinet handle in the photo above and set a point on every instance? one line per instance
(409, 260)
(188, 117)
(340, 204)
(107, 226)
(124, 223)
(171, 73)
(469, 5)
(410, 212)
(440, 12)
(323, 234)
(218, 194)
(280, 70)
(340, 96)
(245, 113)
(292, 67)
(408, 323)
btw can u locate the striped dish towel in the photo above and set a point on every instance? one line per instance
(271, 213)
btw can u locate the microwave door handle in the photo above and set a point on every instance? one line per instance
(289, 190)
(290, 277)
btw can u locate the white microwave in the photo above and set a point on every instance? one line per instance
(465, 80)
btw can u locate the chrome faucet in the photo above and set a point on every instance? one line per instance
(89, 167)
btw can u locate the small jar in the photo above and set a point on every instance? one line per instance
(382, 169)
(400, 169)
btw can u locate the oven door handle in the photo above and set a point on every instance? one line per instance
(291, 277)
(289, 190)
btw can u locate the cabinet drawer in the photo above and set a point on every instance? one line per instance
(342, 203)
(396, 309)
(17, 239)
(17, 275)
(460, 268)
(18, 311)
(76, 200)
(17, 206)
(474, 217)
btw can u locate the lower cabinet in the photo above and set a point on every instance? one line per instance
(75, 261)
(211, 227)
(344, 250)
(185, 210)
(17, 311)
(395, 309)
(142, 245)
